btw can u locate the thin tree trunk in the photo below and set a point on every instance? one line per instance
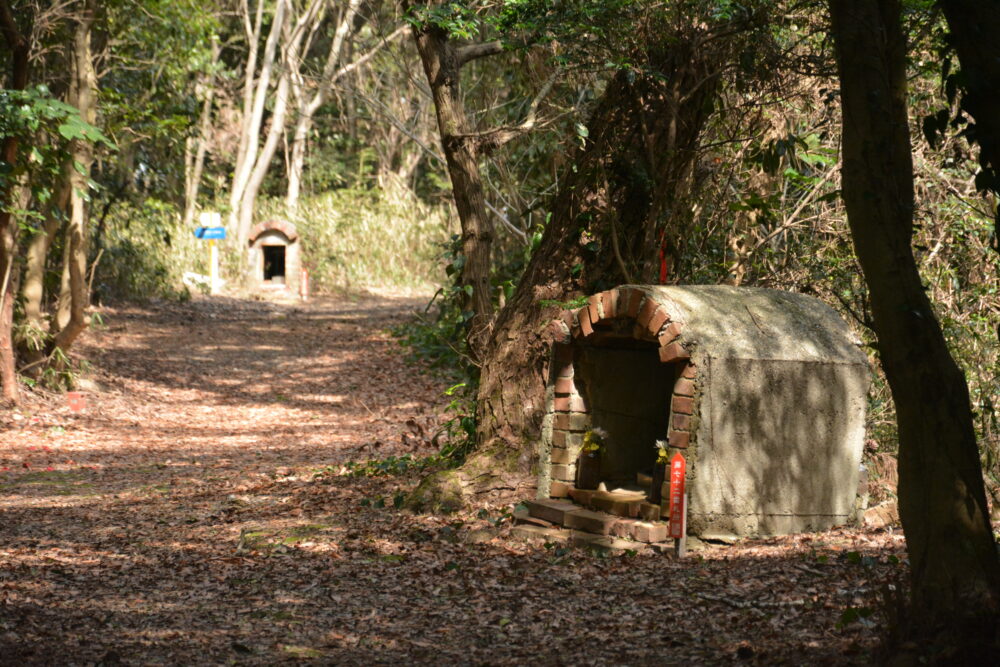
(292, 49)
(193, 182)
(251, 129)
(77, 296)
(270, 147)
(19, 49)
(252, 31)
(955, 576)
(33, 289)
(309, 105)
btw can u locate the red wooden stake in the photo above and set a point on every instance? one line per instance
(77, 401)
(678, 469)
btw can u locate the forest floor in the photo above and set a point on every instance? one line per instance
(201, 510)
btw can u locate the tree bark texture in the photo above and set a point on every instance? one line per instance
(254, 99)
(77, 295)
(955, 578)
(19, 48)
(442, 65)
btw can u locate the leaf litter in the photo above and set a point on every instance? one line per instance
(201, 510)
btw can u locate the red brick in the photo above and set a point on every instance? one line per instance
(671, 333)
(673, 352)
(680, 439)
(586, 327)
(634, 299)
(690, 371)
(576, 403)
(569, 317)
(562, 472)
(561, 456)
(562, 354)
(659, 318)
(561, 404)
(649, 512)
(558, 332)
(682, 422)
(558, 438)
(565, 385)
(609, 303)
(684, 387)
(565, 371)
(648, 532)
(559, 489)
(648, 308)
(571, 421)
(594, 308)
(682, 405)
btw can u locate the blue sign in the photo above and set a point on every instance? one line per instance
(210, 232)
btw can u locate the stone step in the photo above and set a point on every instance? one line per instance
(552, 511)
(522, 516)
(641, 531)
(603, 543)
(539, 534)
(590, 521)
(621, 508)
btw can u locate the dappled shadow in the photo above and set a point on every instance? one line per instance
(198, 513)
(405, 590)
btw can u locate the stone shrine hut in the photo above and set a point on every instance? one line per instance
(763, 392)
(275, 258)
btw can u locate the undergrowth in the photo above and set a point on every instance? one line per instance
(361, 238)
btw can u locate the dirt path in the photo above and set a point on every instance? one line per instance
(198, 512)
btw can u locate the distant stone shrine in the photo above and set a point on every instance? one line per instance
(764, 393)
(275, 258)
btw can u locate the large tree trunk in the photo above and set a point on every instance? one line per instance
(19, 49)
(955, 577)
(442, 62)
(633, 175)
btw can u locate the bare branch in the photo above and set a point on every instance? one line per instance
(489, 140)
(471, 52)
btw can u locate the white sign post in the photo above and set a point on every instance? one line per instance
(212, 219)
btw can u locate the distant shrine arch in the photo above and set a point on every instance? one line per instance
(275, 256)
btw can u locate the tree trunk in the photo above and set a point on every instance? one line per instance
(633, 173)
(19, 49)
(955, 576)
(77, 295)
(442, 65)
(974, 26)
(33, 288)
(255, 93)
(291, 57)
(193, 176)
(308, 106)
